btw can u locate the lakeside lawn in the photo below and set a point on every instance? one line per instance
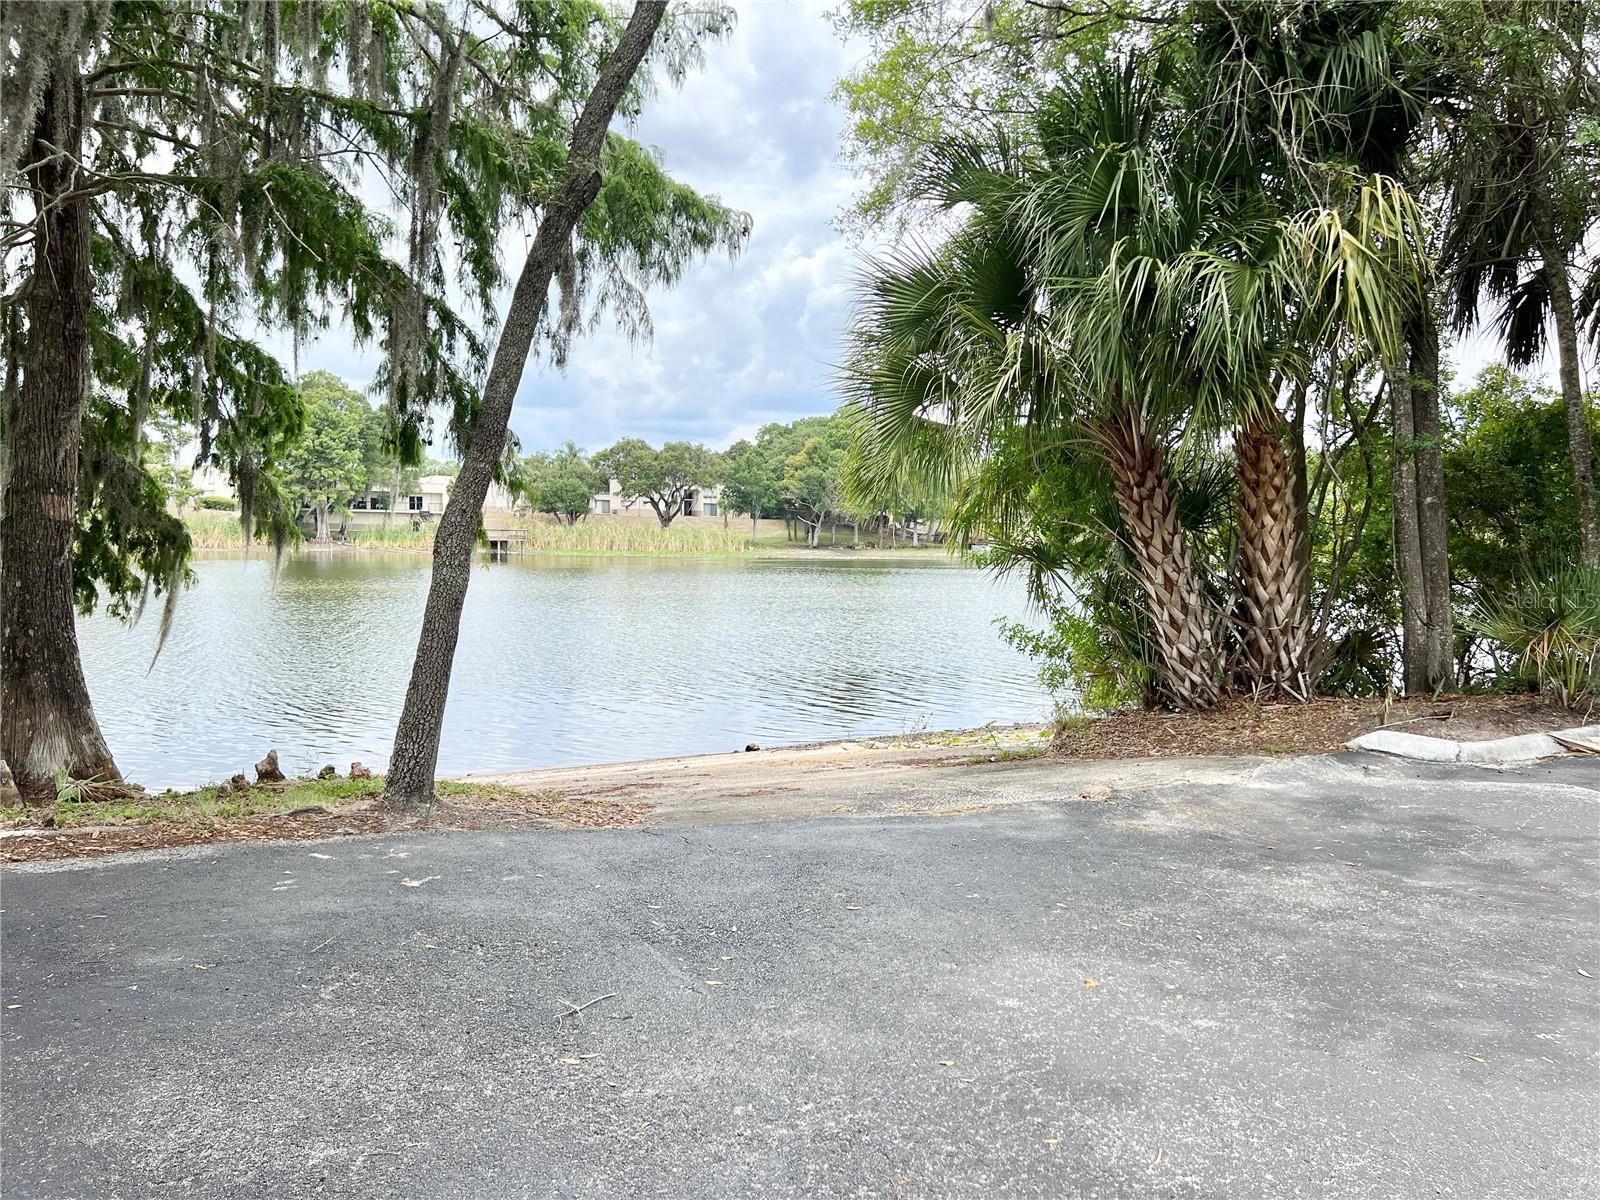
(92, 820)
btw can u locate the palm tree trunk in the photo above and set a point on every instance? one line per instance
(1274, 641)
(1580, 441)
(47, 722)
(1180, 615)
(1422, 560)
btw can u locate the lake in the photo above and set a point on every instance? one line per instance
(561, 661)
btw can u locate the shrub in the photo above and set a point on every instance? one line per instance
(218, 503)
(1546, 631)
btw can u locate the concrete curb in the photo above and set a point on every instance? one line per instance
(1498, 752)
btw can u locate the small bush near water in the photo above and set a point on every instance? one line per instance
(1548, 632)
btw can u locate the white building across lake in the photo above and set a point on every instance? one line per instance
(425, 501)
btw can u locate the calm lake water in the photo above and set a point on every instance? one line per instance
(561, 661)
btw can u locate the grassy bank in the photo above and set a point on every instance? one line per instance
(92, 822)
(220, 531)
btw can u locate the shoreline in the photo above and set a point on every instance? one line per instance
(781, 553)
(932, 773)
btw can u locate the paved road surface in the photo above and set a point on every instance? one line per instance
(1324, 978)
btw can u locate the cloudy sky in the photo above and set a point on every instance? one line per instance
(736, 344)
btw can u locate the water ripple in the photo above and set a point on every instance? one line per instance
(560, 661)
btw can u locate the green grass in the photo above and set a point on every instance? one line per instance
(208, 806)
(213, 530)
(220, 531)
(204, 807)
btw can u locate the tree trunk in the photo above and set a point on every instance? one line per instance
(1422, 560)
(1274, 597)
(1181, 618)
(1580, 441)
(320, 509)
(752, 529)
(47, 723)
(416, 744)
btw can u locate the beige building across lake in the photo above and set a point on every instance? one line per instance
(377, 507)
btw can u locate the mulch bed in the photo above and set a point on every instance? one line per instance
(1240, 727)
(507, 810)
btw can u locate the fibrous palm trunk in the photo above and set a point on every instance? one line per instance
(1274, 619)
(47, 724)
(416, 741)
(1422, 559)
(1181, 617)
(1580, 442)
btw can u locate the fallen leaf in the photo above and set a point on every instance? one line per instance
(1091, 983)
(852, 908)
(1584, 973)
(713, 983)
(570, 1062)
(417, 882)
(1475, 1058)
(947, 1062)
(9, 1007)
(1052, 1141)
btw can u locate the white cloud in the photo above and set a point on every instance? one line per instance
(736, 345)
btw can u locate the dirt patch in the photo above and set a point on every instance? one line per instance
(1240, 727)
(479, 808)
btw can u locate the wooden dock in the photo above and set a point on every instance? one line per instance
(506, 541)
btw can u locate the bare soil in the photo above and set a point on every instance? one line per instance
(1240, 727)
(943, 772)
(506, 808)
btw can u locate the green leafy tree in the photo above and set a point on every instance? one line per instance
(562, 484)
(940, 72)
(751, 482)
(180, 177)
(609, 223)
(1520, 163)
(335, 458)
(1513, 512)
(663, 478)
(812, 484)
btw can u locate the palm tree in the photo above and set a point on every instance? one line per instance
(1121, 286)
(957, 345)
(1306, 102)
(1523, 197)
